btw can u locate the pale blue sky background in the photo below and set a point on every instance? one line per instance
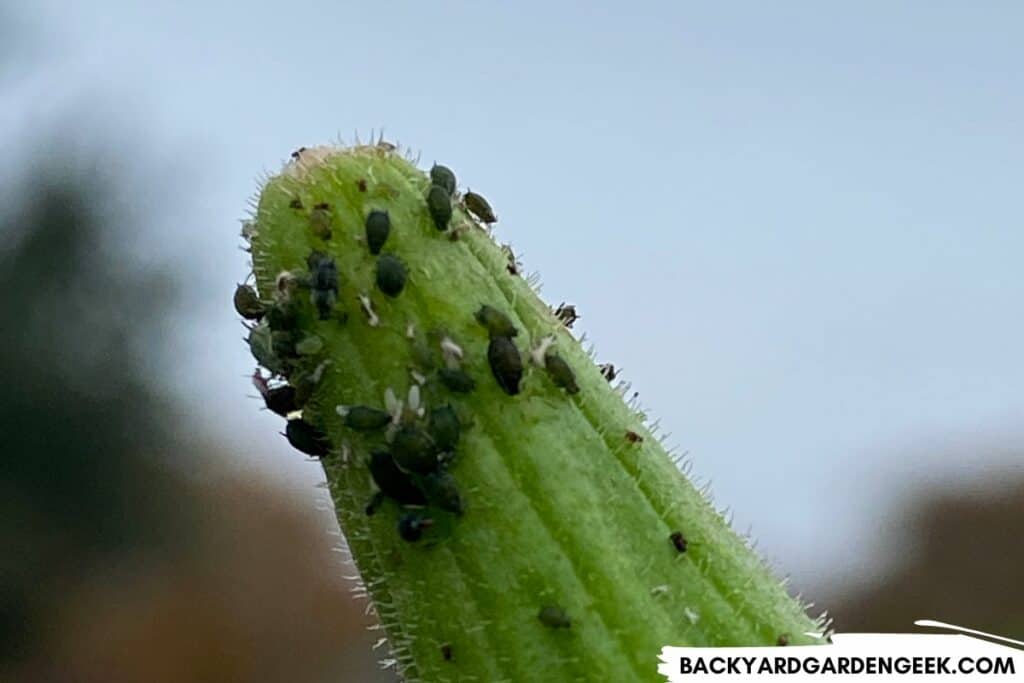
(796, 225)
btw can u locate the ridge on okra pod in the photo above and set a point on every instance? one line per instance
(511, 516)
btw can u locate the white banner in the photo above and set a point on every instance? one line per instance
(856, 657)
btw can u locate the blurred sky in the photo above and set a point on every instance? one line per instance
(793, 225)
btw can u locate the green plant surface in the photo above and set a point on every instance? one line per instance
(561, 564)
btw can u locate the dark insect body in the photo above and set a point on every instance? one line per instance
(679, 541)
(444, 428)
(456, 380)
(633, 437)
(247, 303)
(439, 204)
(442, 491)
(442, 176)
(366, 419)
(479, 207)
(413, 450)
(281, 400)
(446, 652)
(783, 640)
(392, 481)
(506, 364)
(378, 227)
(608, 371)
(306, 438)
(554, 616)
(567, 314)
(560, 372)
(391, 275)
(323, 282)
(295, 204)
(497, 323)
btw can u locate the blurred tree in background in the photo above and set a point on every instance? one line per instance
(129, 552)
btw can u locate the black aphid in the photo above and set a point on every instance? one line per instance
(295, 203)
(633, 437)
(456, 380)
(361, 184)
(390, 275)
(782, 640)
(320, 220)
(297, 154)
(497, 323)
(554, 616)
(567, 314)
(412, 525)
(608, 371)
(323, 282)
(378, 227)
(444, 428)
(439, 204)
(443, 177)
(413, 449)
(366, 419)
(393, 482)
(479, 207)
(560, 372)
(443, 491)
(506, 364)
(679, 541)
(446, 652)
(247, 303)
(281, 400)
(306, 438)
(323, 271)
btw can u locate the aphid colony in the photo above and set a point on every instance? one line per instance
(414, 446)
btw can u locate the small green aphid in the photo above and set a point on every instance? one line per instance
(456, 380)
(506, 364)
(247, 303)
(261, 345)
(378, 227)
(439, 204)
(414, 450)
(560, 372)
(390, 275)
(393, 482)
(306, 438)
(443, 491)
(366, 419)
(412, 525)
(444, 427)
(320, 220)
(554, 616)
(479, 207)
(497, 323)
(443, 176)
